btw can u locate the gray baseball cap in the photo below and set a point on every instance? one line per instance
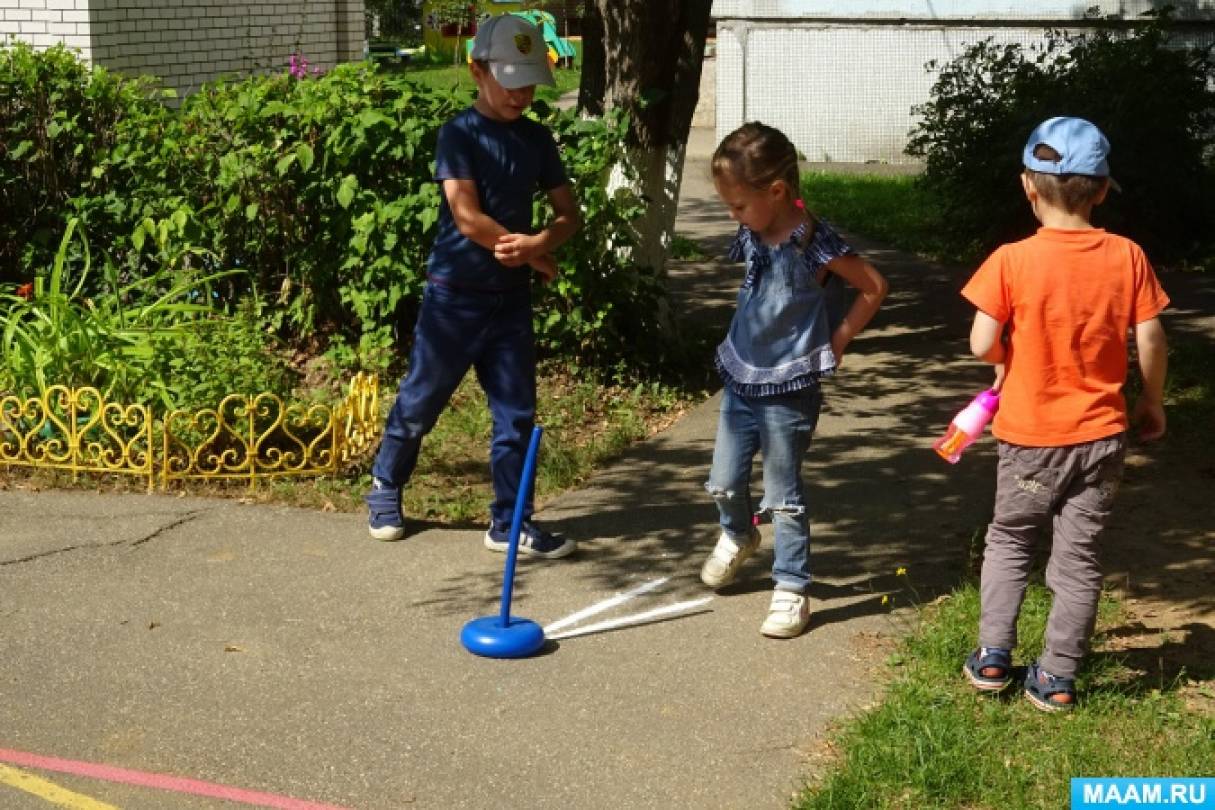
(515, 51)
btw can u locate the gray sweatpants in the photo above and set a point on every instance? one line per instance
(1071, 489)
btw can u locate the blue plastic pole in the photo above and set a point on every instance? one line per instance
(516, 524)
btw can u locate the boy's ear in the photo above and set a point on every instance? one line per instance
(1105, 190)
(1027, 185)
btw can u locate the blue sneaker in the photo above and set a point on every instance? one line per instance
(384, 519)
(533, 541)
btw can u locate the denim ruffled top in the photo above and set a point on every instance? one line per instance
(780, 338)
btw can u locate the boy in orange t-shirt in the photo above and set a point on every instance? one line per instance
(1053, 314)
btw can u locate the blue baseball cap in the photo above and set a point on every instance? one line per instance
(1083, 149)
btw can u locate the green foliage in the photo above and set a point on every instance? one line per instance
(319, 190)
(242, 358)
(58, 122)
(323, 190)
(119, 340)
(1154, 100)
(686, 250)
(601, 306)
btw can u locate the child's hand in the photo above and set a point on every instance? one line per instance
(839, 341)
(546, 266)
(838, 345)
(517, 249)
(1149, 417)
(999, 381)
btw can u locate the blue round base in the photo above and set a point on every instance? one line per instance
(489, 637)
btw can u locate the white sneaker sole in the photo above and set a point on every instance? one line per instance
(564, 550)
(386, 533)
(784, 632)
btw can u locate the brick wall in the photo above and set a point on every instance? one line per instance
(43, 23)
(189, 43)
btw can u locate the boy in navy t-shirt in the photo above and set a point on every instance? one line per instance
(476, 309)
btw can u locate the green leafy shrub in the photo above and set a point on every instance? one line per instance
(59, 120)
(1154, 100)
(320, 191)
(242, 358)
(601, 308)
(125, 340)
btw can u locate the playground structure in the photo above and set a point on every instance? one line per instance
(446, 39)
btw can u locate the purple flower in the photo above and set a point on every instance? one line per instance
(297, 66)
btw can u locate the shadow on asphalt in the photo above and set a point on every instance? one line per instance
(880, 499)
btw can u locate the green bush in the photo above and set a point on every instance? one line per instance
(1154, 99)
(320, 190)
(601, 307)
(58, 122)
(136, 342)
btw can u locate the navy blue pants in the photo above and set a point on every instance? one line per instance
(458, 329)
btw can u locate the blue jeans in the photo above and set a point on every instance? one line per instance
(459, 329)
(779, 426)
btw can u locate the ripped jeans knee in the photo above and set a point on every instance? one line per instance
(720, 493)
(793, 509)
(734, 505)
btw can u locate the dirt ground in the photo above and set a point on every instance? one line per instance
(1161, 556)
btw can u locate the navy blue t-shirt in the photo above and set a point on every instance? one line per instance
(508, 161)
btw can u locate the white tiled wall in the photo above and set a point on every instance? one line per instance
(944, 10)
(44, 23)
(189, 43)
(843, 91)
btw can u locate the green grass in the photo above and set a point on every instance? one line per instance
(936, 743)
(890, 208)
(1189, 388)
(586, 422)
(685, 249)
(448, 76)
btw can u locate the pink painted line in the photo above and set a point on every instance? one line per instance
(159, 781)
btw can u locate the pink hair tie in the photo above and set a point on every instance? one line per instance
(801, 205)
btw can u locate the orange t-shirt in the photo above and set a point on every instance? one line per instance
(1069, 299)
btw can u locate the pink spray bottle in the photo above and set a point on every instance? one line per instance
(967, 426)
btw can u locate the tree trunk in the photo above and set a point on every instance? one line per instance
(652, 53)
(592, 87)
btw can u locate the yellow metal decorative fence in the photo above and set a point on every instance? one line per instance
(244, 437)
(76, 429)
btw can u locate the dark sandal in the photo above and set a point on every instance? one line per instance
(1041, 688)
(988, 658)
